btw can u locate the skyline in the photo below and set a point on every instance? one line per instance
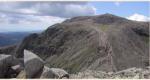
(29, 16)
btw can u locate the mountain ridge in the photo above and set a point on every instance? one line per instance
(105, 42)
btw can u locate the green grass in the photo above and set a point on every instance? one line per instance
(146, 39)
(72, 68)
(75, 64)
(104, 27)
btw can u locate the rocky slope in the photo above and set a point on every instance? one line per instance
(131, 73)
(103, 42)
(41, 71)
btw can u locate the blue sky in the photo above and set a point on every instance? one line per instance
(123, 9)
(29, 16)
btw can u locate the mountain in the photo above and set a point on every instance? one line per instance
(102, 42)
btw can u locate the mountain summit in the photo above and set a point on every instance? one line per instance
(102, 42)
(100, 19)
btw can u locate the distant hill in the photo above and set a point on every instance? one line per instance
(10, 38)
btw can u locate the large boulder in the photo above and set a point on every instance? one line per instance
(54, 73)
(34, 68)
(33, 64)
(6, 66)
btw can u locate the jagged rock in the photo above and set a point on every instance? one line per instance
(33, 64)
(54, 73)
(6, 63)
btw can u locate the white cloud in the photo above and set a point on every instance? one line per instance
(117, 3)
(58, 9)
(32, 19)
(39, 14)
(27, 11)
(138, 17)
(21, 22)
(34, 11)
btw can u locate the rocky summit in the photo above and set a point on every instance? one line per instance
(105, 42)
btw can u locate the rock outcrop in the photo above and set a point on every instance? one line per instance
(9, 66)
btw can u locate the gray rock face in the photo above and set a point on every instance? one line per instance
(33, 64)
(6, 63)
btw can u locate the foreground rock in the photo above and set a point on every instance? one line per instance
(33, 64)
(35, 68)
(9, 66)
(131, 73)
